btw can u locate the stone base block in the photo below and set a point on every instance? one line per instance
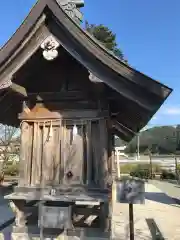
(20, 236)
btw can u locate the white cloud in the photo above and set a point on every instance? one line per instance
(172, 111)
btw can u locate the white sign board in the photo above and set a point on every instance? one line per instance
(130, 191)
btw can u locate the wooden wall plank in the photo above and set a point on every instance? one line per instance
(96, 152)
(110, 152)
(47, 165)
(34, 154)
(56, 153)
(85, 155)
(63, 152)
(73, 160)
(77, 160)
(104, 152)
(24, 158)
(29, 152)
(39, 155)
(89, 153)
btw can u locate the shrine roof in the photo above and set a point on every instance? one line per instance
(48, 17)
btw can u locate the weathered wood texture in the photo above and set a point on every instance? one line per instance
(35, 174)
(75, 215)
(96, 146)
(74, 156)
(52, 155)
(104, 152)
(88, 153)
(25, 155)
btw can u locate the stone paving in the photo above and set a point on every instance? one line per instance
(159, 216)
(172, 189)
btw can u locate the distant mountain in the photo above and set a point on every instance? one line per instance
(162, 140)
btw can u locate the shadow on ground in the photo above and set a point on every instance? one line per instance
(6, 215)
(154, 230)
(7, 233)
(160, 198)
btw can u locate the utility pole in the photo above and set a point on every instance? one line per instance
(138, 146)
(137, 151)
(150, 162)
(151, 167)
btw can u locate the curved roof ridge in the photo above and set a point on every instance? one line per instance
(34, 14)
(143, 94)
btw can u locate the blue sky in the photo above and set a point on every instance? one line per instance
(148, 32)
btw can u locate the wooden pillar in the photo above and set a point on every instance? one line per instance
(62, 146)
(104, 152)
(25, 154)
(47, 168)
(110, 151)
(35, 161)
(89, 153)
(57, 153)
(20, 230)
(20, 218)
(96, 152)
(113, 158)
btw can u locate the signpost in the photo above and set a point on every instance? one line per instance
(131, 221)
(130, 191)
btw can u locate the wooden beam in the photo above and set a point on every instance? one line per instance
(19, 89)
(27, 48)
(44, 113)
(57, 96)
(122, 129)
(126, 89)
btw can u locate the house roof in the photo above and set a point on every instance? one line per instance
(139, 95)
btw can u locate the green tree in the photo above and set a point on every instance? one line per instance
(163, 140)
(9, 146)
(104, 35)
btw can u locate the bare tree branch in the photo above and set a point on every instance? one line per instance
(9, 145)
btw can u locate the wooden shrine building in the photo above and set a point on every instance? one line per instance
(69, 95)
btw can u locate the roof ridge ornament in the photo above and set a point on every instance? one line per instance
(71, 7)
(93, 78)
(49, 46)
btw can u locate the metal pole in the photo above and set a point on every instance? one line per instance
(138, 147)
(151, 168)
(131, 222)
(118, 164)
